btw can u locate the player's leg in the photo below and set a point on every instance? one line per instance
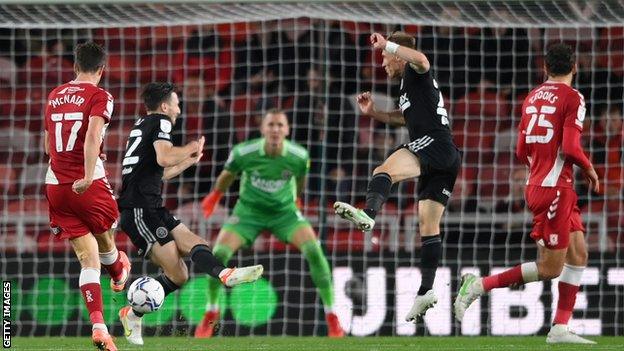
(99, 211)
(114, 261)
(429, 213)
(197, 248)
(226, 245)
(86, 250)
(569, 283)
(400, 165)
(68, 223)
(174, 275)
(552, 209)
(304, 238)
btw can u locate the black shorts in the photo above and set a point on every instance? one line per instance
(146, 226)
(440, 162)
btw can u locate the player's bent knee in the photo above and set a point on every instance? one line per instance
(546, 272)
(178, 274)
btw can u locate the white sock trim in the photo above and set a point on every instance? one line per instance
(108, 258)
(571, 274)
(328, 309)
(88, 276)
(529, 272)
(100, 326)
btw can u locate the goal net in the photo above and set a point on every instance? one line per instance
(231, 63)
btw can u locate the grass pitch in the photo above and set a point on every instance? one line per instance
(322, 343)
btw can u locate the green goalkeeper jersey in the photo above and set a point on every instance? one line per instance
(268, 183)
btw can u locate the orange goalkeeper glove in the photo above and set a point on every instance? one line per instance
(299, 203)
(210, 202)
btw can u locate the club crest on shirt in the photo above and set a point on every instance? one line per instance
(161, 232)
(286, 174)
(553, 239)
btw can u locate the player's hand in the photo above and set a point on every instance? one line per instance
(592, 178)
(299, 203)
(210, 202)
(200, 149)
(366, 104)
(103, 157)
(81, 185)
(378, 41)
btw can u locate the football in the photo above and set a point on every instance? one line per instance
(146, 295)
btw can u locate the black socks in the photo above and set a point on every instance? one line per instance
(167, 284)
(430, 253)
(378, 190)
(206, 261)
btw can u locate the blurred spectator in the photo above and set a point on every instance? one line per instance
(606, 148)
(598, 84)
(447, 50)
(290, 52)
(50, 67)
(514, 202)
(504, 56)
(462, 198)
(343, 58)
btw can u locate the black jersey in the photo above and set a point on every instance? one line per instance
(141, 174)
(422, 105)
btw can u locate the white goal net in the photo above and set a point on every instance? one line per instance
(232, 62)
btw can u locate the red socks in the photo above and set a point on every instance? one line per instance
(110, 261)
(92, 294)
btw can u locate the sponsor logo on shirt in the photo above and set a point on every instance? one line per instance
(267, 185)
(404, 102)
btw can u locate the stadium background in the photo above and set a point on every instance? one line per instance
(231, 62)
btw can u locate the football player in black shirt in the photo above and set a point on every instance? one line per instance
(149, 159)
(431, 155)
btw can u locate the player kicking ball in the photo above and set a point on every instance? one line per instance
(549, 144)
(273, 172)
(149, 159)
(431, 156)
(81, 202)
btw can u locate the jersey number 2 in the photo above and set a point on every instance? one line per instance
(541, 122)
(133, 142)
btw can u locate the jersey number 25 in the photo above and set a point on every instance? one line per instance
(541, 122)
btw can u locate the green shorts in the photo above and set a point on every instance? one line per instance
(248, 223)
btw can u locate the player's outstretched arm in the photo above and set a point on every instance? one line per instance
(367, 106)
(174, 171)
(224, 181)
(93, 140)
(168, 155)
(416, 59)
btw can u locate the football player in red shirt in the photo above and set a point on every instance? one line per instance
(549, 144)
(81, 202)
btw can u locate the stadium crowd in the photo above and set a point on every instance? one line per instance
(229, 74)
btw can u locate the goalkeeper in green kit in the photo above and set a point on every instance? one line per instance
(273, 172)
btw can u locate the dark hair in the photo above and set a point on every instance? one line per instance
(155, 94)
(90, 57)
(275, 111)
(560, 60)
(402, 39)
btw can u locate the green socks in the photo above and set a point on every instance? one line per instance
(319, 269)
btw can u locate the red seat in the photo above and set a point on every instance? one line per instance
(8, 180)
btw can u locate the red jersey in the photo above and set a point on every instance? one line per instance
(68, 110)
(547, 114)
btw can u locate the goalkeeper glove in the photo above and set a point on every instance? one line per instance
(210, 201)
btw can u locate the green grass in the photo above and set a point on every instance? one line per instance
(324, 344)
